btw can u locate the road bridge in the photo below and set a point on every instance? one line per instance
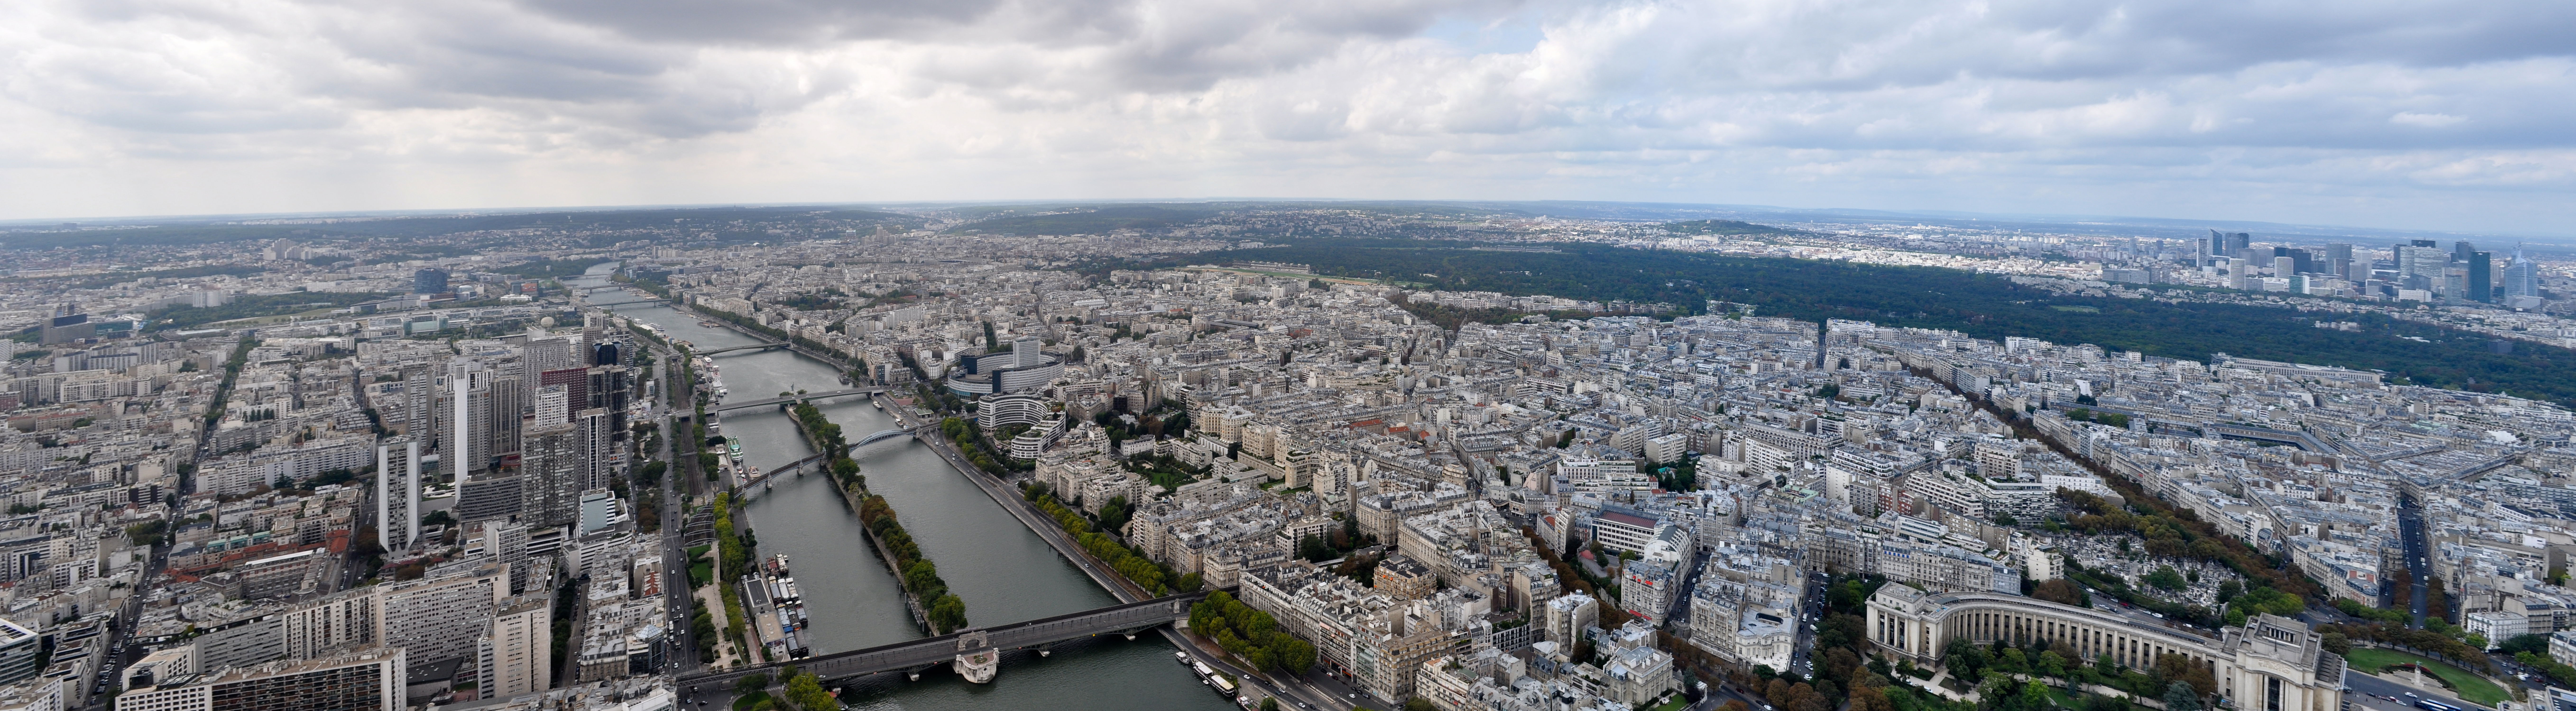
(748, 404)
(752, 347)
(972, 646)
(770, 478)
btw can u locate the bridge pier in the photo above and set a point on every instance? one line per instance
(978, 666)
(974, 654)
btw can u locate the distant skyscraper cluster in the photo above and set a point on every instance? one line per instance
(2419, 270)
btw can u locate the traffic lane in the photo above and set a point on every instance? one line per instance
(1339, 688)
(2365, 686)
(1250, 682)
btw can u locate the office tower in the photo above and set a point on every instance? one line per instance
(574, 381)
(605, 354)
(545, 354)
(2224, 244)
(550, 473)
(554, 406)
(2481, 276)
(594, 459)
(428, 281)
(367, 680)
(397, 484)
(354, 618)
(2521, 276)
(2304, 261)
(509, 393)
(470, 406)
(422, 393)
(2416, 261)
(2285, 266)
(483, 412)
(608, 390)
(2339, 250)
(516, 654)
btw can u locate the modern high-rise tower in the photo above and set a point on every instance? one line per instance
(2521, 276)
(2481, 276)
(550, 475)
(397, 484)
(428, 281)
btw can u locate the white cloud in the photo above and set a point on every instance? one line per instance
(2187, 109)
(2411, 118)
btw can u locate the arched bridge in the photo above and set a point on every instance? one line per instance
(875, 436)
(920, 655)
(752, 347)
(766, 402)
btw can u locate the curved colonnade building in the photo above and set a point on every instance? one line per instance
(2271, 664)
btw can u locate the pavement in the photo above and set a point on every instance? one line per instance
(2410, 530)
(675, 579)
(2367, 692)
(1810, 612)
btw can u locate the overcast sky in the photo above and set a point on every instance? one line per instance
(2356, 112)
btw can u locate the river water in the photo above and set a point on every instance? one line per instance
(1004, 572)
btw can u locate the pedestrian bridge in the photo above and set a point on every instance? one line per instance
(917, 656)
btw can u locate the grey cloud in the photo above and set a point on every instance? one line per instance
(768, 22)
(2451, 94)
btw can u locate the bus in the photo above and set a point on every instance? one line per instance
(2431, 705)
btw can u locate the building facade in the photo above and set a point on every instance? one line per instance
(2271, 664)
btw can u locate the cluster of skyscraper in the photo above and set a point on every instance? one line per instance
(561, 427)
(2418, 270)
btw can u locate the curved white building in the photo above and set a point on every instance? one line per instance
(2271, 664)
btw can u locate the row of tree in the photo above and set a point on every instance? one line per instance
(2177, 533)
(919, 576)
(2533, 651)
(970, 443)
(823, 433)
(733, 558)
(1250, 635)
(1144, 572)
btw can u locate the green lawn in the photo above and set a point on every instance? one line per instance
(1677, 703)
(2471, 687)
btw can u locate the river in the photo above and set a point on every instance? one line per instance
(1004, 572)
